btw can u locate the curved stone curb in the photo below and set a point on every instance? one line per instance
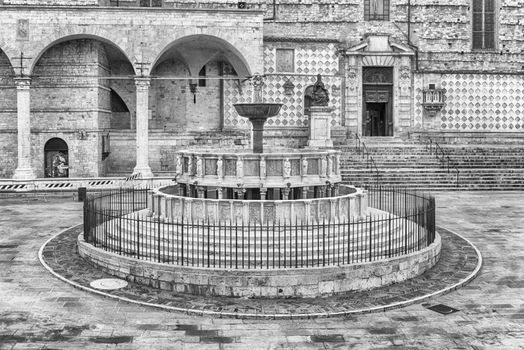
(313, 304)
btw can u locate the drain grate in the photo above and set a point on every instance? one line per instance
(442, 309)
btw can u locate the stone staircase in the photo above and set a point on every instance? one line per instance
(487, 164)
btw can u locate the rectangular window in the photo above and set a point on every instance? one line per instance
(376, 10)
(285, 59)
(150, 3)
(483, 24)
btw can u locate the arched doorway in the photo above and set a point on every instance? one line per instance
(56, 155)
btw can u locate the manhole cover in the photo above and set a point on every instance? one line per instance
(443, 309)
(108, 284)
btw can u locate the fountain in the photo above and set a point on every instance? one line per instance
(271, 224)
(257, 113)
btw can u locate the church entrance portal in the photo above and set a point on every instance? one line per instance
(377, 118)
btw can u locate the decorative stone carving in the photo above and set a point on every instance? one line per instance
(258, 82)
(317, 94)
(404, 73)
(287, 168)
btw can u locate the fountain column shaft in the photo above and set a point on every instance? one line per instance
(258, 134)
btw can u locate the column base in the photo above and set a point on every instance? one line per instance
(24, 174)
(320, 143)
(144, 172)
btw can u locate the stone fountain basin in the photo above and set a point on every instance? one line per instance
(257, 110)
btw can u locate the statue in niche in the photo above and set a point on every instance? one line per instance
(304, 166)
(220, 168)
(317, 94)
(199, 167)
(240, 167)
(262, 167)
(59, 166)
(178, 166)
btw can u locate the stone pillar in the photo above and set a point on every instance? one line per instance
(304, 192)
(200, 191)
(285, 193)
(142, 128)
(320, 127)
(23, 170)
(263, 193)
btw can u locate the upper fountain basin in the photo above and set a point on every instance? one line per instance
(258, 109)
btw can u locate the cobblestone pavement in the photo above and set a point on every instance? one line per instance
(38, 311)
(458, 264)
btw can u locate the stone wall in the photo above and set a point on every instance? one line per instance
(65, 101)
(474, 103)
(8, 123)
(285, 282)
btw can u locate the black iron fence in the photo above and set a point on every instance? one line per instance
(400, 222)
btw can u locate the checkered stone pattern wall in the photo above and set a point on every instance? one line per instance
(313, 59)
(308, 63)
(480, 102)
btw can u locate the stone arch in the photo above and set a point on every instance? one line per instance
(198, 49)
(5, 60)
(72, 37)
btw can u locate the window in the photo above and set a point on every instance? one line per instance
(202, 75)
(150, 3)
(376, 10)
(285, 60)
(483, 24)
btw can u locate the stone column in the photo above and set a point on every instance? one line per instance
(23, 170)
(142, 128)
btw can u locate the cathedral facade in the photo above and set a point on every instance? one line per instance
(92, 88)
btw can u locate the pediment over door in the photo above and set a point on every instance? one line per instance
(379, 50)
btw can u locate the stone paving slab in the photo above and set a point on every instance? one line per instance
(33, 316)
(459, 263)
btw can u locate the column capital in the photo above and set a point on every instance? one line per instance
(142, 82)
(22, 82)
